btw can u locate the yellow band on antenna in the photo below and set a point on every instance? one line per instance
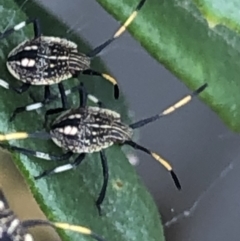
(162, 161)
(74, 228)
(177, 105)
(14, 136)
(125, 25)
(109, 78)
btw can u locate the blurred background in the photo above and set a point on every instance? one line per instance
(204, 153)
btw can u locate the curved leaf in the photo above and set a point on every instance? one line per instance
(70, 197)
(193, 48)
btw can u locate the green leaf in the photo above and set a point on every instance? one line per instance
(70, 197)
(194, 48)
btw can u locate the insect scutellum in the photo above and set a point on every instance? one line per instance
(85, 130)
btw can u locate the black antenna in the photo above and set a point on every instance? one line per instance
(185, 100)
(119, 32)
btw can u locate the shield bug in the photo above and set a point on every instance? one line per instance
(89, 129)
(48, 60)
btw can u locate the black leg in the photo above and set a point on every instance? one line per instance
(47, 92)
(62, 168)
(102, 193)
(36, 27)
(105, 76)
(82, 96)
(57, 110)
(23, 88)
(63, 96)
(48, 98)
(157, 158)
(119, 32)
(34, 106)
(51, 112)
(41, 155)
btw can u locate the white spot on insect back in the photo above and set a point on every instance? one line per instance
(34, 47)
(31, 63)
(24, 62)
(76, 116)
(27, 62)
(27, 48)
(70, 130)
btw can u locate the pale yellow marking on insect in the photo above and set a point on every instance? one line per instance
(162, 161)
(95, 109)
(74, 228)
(14, 136)
(13, 72)
(126, 24)
(179, 104)
(62, 41)
(109, 78)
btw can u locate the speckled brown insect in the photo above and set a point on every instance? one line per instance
(92, 129)
(46, 61)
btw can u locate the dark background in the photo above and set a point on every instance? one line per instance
(204, 153)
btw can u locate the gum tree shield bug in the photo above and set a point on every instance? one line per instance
(46, 60)
(12, 229)
(93, 129)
